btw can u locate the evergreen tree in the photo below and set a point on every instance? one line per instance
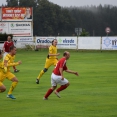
(84, 33)
(12, 3)
(51, 19)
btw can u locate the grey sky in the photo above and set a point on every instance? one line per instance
(84, 2)
(78, 2)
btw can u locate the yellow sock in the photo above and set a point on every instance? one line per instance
(13, 85)
(40, 74)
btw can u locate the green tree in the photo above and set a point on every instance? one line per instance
(95, 18)
(28, 3)
(12, 3)
(48, 18)
(51, 19)
(84, 33)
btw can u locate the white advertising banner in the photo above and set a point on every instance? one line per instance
(89, 43)
(67, 42)
(109, 43)
(43, 42)
(63, 42)
(17, 28)
(20, 28)
(21, 42)
(3, 27)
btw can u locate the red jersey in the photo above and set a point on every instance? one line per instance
(61, 64)
(7, 45)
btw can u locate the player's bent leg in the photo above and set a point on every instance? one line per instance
(2, 88)
(49, 92)
(48, 63)
(13, 85)
(41, 74)
(62, 87)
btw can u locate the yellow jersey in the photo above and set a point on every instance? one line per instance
(10, 60)
(10, 63)
(52, 50)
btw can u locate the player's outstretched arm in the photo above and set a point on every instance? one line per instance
(14, 64)
(72, 72)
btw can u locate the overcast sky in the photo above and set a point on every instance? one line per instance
(78, 2)
(84, 2)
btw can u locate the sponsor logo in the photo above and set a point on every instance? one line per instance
(60, 40)
(26, 39)
(65, 41)
(68, 41)
(18, 25)
(43, 41)
(114, 43)
(22, 25)
(107, 42)
(12, 25)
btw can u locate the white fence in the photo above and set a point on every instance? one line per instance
(89, 43)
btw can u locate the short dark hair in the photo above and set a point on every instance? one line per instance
(10, 36)
(12, 47)
(53, 41)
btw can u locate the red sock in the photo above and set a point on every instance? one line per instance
(14, 67)
(62, 87)
(48, 93)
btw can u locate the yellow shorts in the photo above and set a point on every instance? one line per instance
(50, 62)
(7, 75)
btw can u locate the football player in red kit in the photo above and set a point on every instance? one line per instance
(57, 76)
(6, 49)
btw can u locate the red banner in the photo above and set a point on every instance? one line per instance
(17, 14)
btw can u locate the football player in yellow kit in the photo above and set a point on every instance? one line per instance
(50, 60)
(5, 72)
(2, 87)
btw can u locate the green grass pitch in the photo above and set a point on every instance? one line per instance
(92, 94)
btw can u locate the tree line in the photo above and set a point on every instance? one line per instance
(50, 19)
